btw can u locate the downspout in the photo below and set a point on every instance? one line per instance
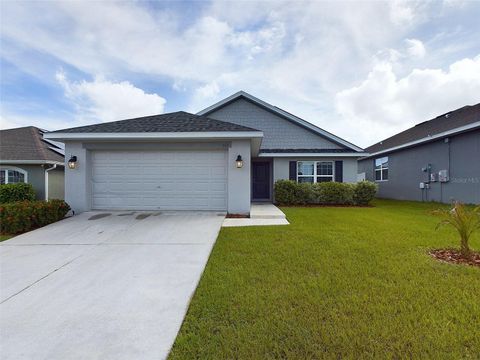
(46, 179)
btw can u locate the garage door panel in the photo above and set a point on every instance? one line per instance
(150, 180)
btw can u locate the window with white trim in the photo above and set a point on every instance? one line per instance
(315, 171)
(12, 176)
(381, 169)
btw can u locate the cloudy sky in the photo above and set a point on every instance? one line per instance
(363, 71)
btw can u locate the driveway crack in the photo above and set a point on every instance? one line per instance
(43, 277)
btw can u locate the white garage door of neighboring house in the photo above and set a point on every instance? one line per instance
(159, 180)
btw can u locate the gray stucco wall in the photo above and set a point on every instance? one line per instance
(56, 183)
(281, 167)
(36, 177)
(279, 133)
(405, 170)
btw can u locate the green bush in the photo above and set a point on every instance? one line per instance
(333, 193)
(364, 192)
(285, 192)
(23, 216)
(288, 192)
(16, 192)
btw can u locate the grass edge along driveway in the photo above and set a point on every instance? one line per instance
(336, 283)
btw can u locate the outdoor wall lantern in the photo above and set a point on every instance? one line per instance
(72, 163)
(239, 161)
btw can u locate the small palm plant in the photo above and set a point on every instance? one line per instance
(465, 220)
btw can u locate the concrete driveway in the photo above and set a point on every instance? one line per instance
(92, 287)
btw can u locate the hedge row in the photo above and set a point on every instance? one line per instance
(288, 192)
(23, 216)
(16, 192)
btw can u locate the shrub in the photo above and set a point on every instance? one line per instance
(285, 192)
(288, 192)
(22, 216)
(16, 192)
(333, 193)
(466, 221)
(364, 192)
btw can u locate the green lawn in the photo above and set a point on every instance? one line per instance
(337, 283)
(5, 237)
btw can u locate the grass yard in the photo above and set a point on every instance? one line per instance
(337, 283)
(5, 237)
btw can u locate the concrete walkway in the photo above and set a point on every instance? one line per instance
(117, 287)
(261, 214)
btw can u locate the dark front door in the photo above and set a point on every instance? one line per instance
(261, 180)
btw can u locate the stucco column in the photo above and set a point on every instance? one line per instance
(77, 181)
(239, 179)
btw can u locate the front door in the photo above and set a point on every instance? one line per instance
(261, 180)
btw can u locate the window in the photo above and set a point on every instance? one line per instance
(314, 171)
(12, 176)
(381, 169)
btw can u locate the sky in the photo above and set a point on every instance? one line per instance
(361, 70)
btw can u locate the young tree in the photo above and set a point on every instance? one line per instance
(465, 220)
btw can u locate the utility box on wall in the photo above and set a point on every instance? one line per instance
(443, 176)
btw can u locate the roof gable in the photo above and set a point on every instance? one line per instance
(215, 112)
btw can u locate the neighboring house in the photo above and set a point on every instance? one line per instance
(222, 158)
(25, 156)
(436, 160)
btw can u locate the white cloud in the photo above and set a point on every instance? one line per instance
(415, 48)
(384, 104)
(102, 100)
(297, 55)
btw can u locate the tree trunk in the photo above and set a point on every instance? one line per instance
(464, 249)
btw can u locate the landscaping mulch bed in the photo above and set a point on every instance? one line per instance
(454, 256)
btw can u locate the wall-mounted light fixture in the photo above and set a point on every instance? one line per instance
(72, 163)
(239, 161)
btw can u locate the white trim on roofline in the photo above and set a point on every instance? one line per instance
(156, 135)
(31, 162)
(427, 139)
(283, 113)
(303, 155)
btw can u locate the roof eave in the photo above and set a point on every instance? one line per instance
(218, 135)
(451, 132)
(31, 162)
(282, 113)
(314, 155)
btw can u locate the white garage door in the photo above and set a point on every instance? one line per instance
(159, 180)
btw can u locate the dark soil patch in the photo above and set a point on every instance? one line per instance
(142, 216)
(455, 256)
(237, 216)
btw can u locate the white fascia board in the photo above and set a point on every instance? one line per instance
(156, 135)
(31, 162)
(428, 138)
(333, 155)
(282, 113)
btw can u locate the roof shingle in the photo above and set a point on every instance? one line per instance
(27, 143)
(449, 121)
(180, 121)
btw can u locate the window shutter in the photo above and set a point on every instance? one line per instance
(293, 171)
(339, 171)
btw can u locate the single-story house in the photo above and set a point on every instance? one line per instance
(25, 156)
(436, 160)
(221, 158)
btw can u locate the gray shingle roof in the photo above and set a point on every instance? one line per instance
(26, 143)
(306, 151)
(449, 121)
(180, 121)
